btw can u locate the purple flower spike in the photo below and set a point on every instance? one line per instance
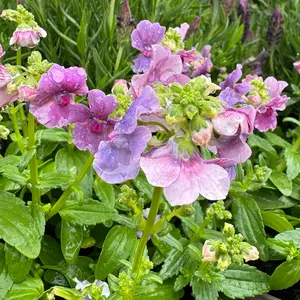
(118, 159)
(89, 132)
(233, 127)
(147, 103)
(266, 117)
(143, 37)
(162, 68)
(54, 105)
(182, 178)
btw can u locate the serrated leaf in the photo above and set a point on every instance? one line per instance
(105, 192)
(13, 173)
(17, 227)
(204, 290)
(18, 265)
(276, 140)
(143, 186)
(171, 241)
(71, 237)
(262, 144)
(31, 288)
(282, 182)
(53, 180)
(292, 162)
(276, 222)
(244, 281)
(118, 245)
(291, 235)
(91, 212)
(249, 222)
(12, 160)
(286, 275)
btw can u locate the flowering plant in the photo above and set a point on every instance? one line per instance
(154, 150)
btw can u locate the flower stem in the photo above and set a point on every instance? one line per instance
(296, 144)
(170, 133)
(148, 229)
(33, 163)
(64, 197)
(13, 116)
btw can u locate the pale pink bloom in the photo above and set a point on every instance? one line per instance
(27, 93)
(207, 253)
(203, 136)
(253, 254)
(297, 66)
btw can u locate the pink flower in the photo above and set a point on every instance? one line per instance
(54, 105)
(5, 79)
(203, 136)
(164, 68)
(233, 127)
(253, 254)
(266, 117)
(184, 177)
(95, 127)
(207, 253)
(27, 93)
(204, 64)
(2, 53)
(182, 30)
(27, 37)
(296, 65)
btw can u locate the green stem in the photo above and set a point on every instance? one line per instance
(33, 163)
(200, 230)
(118, 60)
(296, 145)
(66, 194)
(13, 116)
(170, 133)
(148, 229)
(19, 57)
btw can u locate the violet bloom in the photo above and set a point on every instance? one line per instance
(203, 65)
(5, 79)
(296, 65)
(54, 105)
(27, 93)
(233, 128)
(164, 68)
(96, 126)
(266, 116)
(143, 37)
(118, 159)
(182, 30)
(184, 177)
(233, 92)
(27, 37)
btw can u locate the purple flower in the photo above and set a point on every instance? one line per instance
(184, 178)
(118, 159)
(27, 37)
(233, 92)
(296, 65)
(95, 127)
(182, 30)
(266, 116)
(5, 79)
(233, 127)
(54, 105)
(2, 53)
(203, 65)
(164, 68)
(143, 37)
(27, 93)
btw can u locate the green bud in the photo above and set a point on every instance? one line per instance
(228, 230)
(88, 242)
(173, 40)
(4, 132)
(261, 174)
(190, 111)
(175, 115)
(224, 262)
(124, 101)
(218, 210)
(185, 210)
(128, 196)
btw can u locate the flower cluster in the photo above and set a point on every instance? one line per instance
(163, 122)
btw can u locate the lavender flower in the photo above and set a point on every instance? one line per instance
(275, 30)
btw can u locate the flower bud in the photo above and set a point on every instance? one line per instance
(27, 93)
(88, 242)
(2, 53)
(203, 136)
(252, 254)
(254, 99)
(207, 253)
(4, 132)
(224, 262)
(185, 210)
(120, 87)
(228, 230)
(223, 69)
(275, 30)
(296, 65)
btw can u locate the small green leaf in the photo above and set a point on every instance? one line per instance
(54, 180)
(26, 158)
(71, 237)
(291, 235)
(244, 281)
(203, 289)
(118, 244)
(50, 251)
(91, 212)
(18, 265)
(105, 192)
(17, 227)
(170, 240)
(292, 162)
(262, 144)
(31, 288)
(52, 135)
(13, 173)
(249, 222)
(282, 182)
(276, 222)
(286, 275)
(276, 140)
(5, 280)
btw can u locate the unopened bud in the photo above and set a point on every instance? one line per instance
(207, 253)
(120, 87)
(252, 254)
(275, 30)
(203, 136)
(228, 230)
(296, 65)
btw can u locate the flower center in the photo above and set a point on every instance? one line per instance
(64, 100)
(98, 126)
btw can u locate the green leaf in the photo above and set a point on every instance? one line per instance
(18, 265)
(282, 182)
(31, 288)
(292, 162)
(5, 280)
(292, 235)
(276, 222)
(12, 173)
(54, 180)
(276, 140)
(26, 158)
(52, 135)
(91, 212)
(71, 237)
(118, 244)
(17, 227)
(50, 251)
(262, 144)
(11, 160)
(286, 275)
(244, 281)
(169, 240)
(143, 186)
(105, 192)
(203, 289)
(249, 222)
